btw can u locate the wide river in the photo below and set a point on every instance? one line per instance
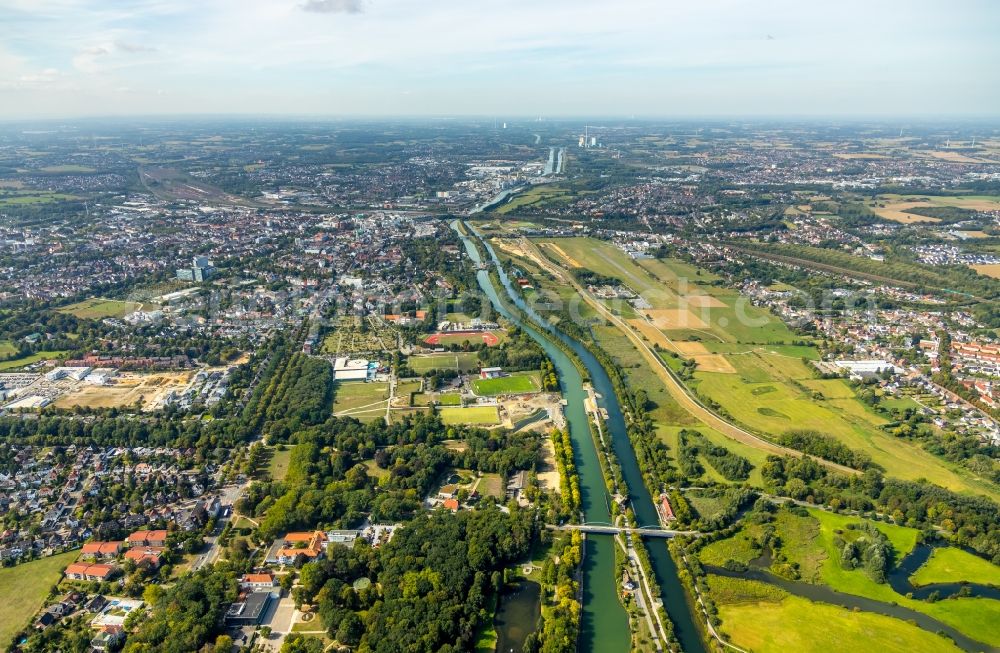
(604, 624)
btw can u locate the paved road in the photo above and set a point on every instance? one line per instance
(676, 388)
(230, 494)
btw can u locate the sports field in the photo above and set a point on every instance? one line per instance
(25, 586)
(97, 308)
(463, 361)
(491, 338)
(475, 415)
(516, 383)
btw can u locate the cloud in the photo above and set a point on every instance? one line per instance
(133, 48)
(333, 6)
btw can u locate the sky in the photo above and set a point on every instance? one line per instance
(550, 58)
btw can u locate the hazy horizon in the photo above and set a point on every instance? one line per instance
(331, 59)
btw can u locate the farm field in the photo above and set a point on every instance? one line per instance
(365, 401)
(149, 389)
(952, 565)
(97, 308)
(25, 197)
(894, 207)
(30, 583)
(774, 393)
(991, 270)
(475, 415)
(463, 361)
(516, 383)
(684, 303)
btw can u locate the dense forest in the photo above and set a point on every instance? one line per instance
(435, 581)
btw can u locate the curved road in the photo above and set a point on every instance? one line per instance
(676, 388)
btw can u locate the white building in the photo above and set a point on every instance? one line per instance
(350, 370)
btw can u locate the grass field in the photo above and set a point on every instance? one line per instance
(463, 361)
(29, 583)
(476, 415)
(536, 195)
(277, 466)
(32, 358)
(365, 401)
(97, 308)
(26, 197)
(7, 348)
(442, 399)
(774, 393)
(952, 565)
(797, 624)
(516, 383)
(977, 618)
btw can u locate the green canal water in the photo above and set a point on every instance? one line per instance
(604, 624)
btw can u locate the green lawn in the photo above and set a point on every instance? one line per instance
(7, 348)
(33, 358)
(977, 618)
(797, 624)
(277, 466)
(516, 383)
(365, 401)
(465, 361)
(97, 308)
(952, 565)
(477, 415)
(29, 583)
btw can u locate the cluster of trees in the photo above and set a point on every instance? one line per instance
(825, 447)
(730, 501)
(186, 615)
(953, 278)
(591, 278)
(301, 395)
(328, 483)
(550, 380)
(437, 578)
(871, 550)
(518, 352)
(692, 444)
(569, 480)
(973, 521)
(561, 621)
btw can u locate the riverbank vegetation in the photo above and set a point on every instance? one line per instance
(569, 480)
